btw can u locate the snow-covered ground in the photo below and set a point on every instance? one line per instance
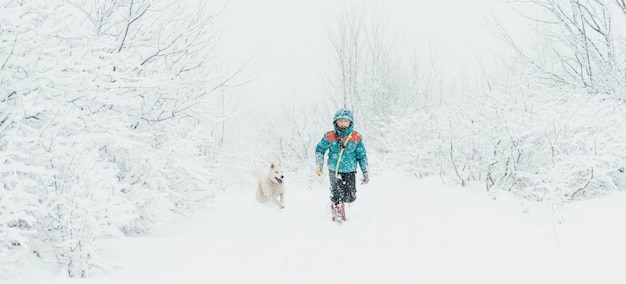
(399, 230)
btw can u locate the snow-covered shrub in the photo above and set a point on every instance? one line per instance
(557, 146)
(18, 211)
(105, 116)
(289, 134)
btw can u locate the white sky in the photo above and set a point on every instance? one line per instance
(291, 38)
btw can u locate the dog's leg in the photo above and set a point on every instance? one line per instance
(260, 195)
(266, 190)
(279, 203)
(282, 199)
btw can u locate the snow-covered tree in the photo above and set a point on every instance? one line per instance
(581, 44)
(381, 78)
(107, 111)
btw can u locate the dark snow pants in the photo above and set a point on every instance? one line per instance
(343, 188)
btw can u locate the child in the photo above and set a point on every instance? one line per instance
(345, 148)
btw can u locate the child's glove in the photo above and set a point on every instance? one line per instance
(318, 169)
(366, 178)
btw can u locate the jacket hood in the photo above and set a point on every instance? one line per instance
(343, 113)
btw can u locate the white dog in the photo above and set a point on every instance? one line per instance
(271, 185)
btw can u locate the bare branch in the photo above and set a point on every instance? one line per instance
(622, 5)
(6, 60)
(130, 22)
(159, 51)
(251, 61)
(582, 188)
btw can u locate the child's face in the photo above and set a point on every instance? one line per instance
(343, 123)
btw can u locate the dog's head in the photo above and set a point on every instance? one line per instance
(276, 173)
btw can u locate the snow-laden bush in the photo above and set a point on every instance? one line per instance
(106, 113)
(18, 211)
(541, 146)
(289, 133)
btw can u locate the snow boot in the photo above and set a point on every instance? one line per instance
(342, 211)
(334, 212)
(339, 212)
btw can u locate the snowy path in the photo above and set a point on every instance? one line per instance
(410, 232)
